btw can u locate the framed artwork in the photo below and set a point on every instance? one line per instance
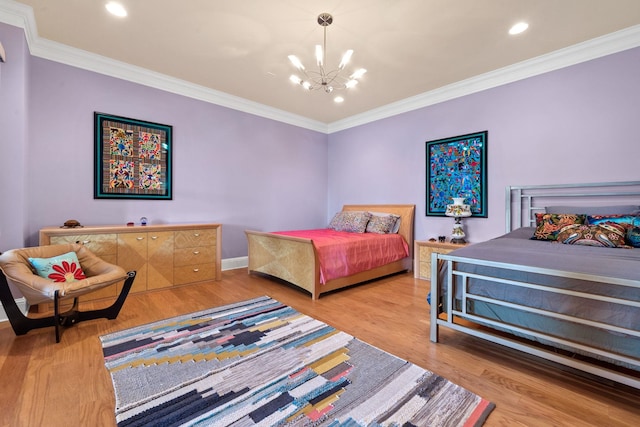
(457, 167)
(132, 158)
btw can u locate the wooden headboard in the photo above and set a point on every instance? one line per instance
(406, 213)
(524, 201)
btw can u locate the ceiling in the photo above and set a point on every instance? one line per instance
(409, 47)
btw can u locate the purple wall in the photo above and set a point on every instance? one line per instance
(13, 137)
(577, 124)
(238, 169)
(572, 125)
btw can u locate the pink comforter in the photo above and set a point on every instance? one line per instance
(343, 254)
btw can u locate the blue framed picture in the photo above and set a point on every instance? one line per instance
(457, 167)
(132, 158)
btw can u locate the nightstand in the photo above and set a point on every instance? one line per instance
(422, 250)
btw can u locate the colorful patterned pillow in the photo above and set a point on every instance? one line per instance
(382, 224)
(62, 268)
(351, 221)
(609, 235)
(625, 220)
(549, 225)
(633, 237)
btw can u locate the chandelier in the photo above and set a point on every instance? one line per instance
(323, 79)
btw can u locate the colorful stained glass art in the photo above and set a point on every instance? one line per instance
(457, 168)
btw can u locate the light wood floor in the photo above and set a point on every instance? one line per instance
(47, 384)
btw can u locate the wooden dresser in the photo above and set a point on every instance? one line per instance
(422, 255)
(163, 255)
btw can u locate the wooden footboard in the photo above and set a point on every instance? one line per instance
(288, 258)
(295, 259)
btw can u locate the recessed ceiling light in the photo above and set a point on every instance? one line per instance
(518, 28)
(338, 99)
(116, 9)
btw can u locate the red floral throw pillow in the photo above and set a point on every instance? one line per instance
(62, 268)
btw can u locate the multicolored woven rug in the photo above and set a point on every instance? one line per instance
(260, 362)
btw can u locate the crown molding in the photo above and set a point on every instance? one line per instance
(20, 15)
(591, 49)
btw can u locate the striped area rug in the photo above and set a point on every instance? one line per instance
(260, 362)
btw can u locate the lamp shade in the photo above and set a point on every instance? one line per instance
(458, 211)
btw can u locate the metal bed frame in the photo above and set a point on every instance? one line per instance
(522, 202)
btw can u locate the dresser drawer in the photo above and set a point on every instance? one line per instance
(99, 244)
(194, 273)
(194, 255)
(195, 238)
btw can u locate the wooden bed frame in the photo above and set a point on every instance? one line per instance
(295, 259)
(524, 202)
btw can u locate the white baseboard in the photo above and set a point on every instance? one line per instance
(233, 263)
(22, 305)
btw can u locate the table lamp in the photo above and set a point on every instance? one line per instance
(458, 210)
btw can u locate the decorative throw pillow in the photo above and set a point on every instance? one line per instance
(633, 237)
(62, 268)
(610, 235)
(382, 224)
(625, 220)
(351, 221)
(549, 225)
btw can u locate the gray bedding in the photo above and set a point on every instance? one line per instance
(517, 248)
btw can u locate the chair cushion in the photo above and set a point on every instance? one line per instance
(61, 268)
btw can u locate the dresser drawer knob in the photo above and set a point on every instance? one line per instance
(195, 270)
(154, 237)
(139, 238)
(84, 242)
(196, 252)
(196, 234)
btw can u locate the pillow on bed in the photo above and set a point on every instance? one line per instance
(381, 221)
(624, 220)
(382, 224)
(549, 225)
(352, 221)
(609, 235)
(633, 237)
(593, 210)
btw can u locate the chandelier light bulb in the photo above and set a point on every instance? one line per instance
(358, 74)
(345, 59)
(295, 79)
(351, 83)
(296, 62)
(319, 55)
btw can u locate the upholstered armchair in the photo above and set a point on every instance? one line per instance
(53, 274)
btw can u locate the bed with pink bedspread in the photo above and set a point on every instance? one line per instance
(324, 260)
